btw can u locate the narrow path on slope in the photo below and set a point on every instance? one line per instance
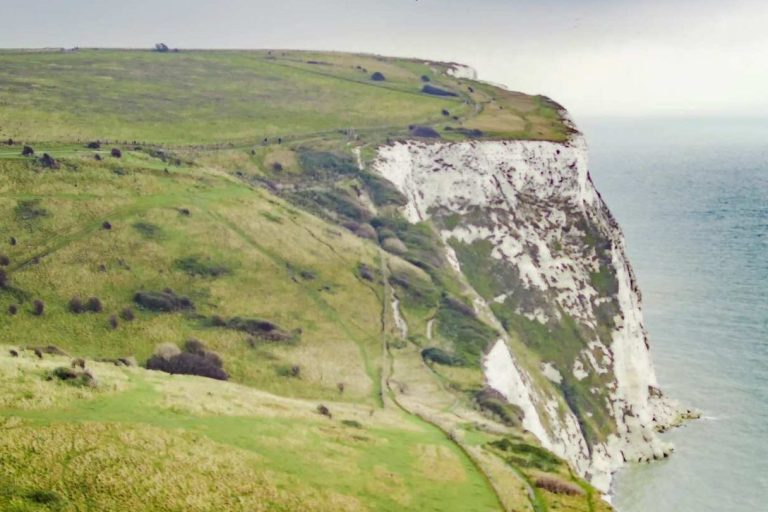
(388, 373)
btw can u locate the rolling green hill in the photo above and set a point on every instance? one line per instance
(224, 199)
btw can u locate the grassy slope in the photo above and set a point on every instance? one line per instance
(234, 97)
(283, 265)
(178, 443)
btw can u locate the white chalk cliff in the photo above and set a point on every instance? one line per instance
(595, 403)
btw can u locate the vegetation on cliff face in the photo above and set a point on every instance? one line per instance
(238, 195)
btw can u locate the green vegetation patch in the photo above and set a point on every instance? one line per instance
(526, 455)
(468, 335)
(30, 209)
(201, 267)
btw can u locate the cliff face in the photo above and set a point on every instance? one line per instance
(545, 262)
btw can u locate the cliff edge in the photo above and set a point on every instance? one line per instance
(547, 265)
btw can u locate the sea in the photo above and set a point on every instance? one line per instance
(691, 196)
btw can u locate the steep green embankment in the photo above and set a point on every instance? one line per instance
(279, 255)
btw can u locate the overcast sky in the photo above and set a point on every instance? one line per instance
(596, 57)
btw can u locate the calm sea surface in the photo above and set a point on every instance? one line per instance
(692, 199)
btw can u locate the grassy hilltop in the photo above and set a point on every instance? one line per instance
(223, 197)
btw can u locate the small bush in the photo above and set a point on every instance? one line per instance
(324, 164)
(440, 356)
(112, 321)
(196, 267)
(27, 151)
(260, 328)
(148, 230)
(378, 77)
(352, 423)
(74, 376)
(425, 78)
(365, 272)
(106, 225)
(93, 145)
(165, 302)
(188, 364)
(116, 153)
(13, 309)
(12, 240)
(3, 278)
(94, 305)
(76, 305)
(292, 371)
(277, 167)
(48, 161)
(44, 497)
(29, 209)
(557, 486)
(4, 260)
(127, 314)
(436, 91)
(38, 307)
(494, 403)
(446, 113)
(323, 410)
(526, 455)
(184, 212)
(426, 132)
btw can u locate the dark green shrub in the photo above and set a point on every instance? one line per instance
(188, 364)
(44, 497)
(457, 323)
(194, 266)
(324, 164)
(94, 305)
(76, 305)
(494, 403)
(148, 230)
(436, 91)
(440, 356)
(38, 307)
(378, 77)
(261, 329)
(382, 191)
(426, 132)
(29, 209)
(166, 301)
(526, 455)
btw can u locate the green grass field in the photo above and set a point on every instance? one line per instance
(203, 97)
(292, 233)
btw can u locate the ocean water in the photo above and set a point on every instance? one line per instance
(692, 199)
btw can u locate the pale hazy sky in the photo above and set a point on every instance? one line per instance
(596, 57)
